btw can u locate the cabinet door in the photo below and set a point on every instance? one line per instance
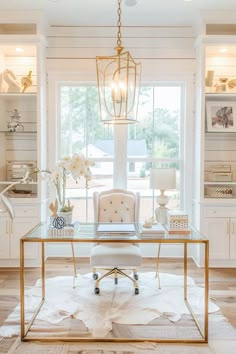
(19, 227)
(4, 238)
(217, 231)
(232, 249)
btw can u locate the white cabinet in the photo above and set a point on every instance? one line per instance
(4, 238)
(11, 233)
(221, 233)
(219, 226)
(18, 228)
(217, 231)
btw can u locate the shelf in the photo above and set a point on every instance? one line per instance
(22, 132)
(17, 94)
(225, 94)
(220, 183)
(221, 199)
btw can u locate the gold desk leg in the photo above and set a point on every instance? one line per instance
(73, 256)
(22, 290)
(185, 270)
(206, 290)
(157, 266)
(43, 270)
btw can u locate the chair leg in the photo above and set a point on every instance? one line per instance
(115, 276)
(119, 271)
(135, 273)
(95, 275)
(73, 256)
(116, 271)
(103, 276)
(157, 265)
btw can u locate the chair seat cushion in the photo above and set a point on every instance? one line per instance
(115, 255)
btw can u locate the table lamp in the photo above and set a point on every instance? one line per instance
(162, 179)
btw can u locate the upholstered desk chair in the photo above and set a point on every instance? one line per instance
(116, 205)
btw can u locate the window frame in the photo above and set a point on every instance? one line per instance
(55, 80)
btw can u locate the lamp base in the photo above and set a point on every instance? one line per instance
(161, 214)
(161, 211)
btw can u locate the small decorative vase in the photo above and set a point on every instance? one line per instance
(67, 215)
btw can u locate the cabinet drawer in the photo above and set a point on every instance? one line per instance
(26, 211)
(220, 212)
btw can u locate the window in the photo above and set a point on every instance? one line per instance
(123, 155)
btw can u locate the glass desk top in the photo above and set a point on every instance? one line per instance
(92, 232)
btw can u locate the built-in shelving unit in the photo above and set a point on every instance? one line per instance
(22, 135)
(215, 164)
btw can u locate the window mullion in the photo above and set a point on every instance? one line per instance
(120, 158)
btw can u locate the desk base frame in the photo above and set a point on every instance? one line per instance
(26, 328)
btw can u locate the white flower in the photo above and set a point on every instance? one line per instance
(77, 166)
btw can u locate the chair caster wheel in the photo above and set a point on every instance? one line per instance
(136, 291)
(95, 276)
(136, 276)
(96, 291)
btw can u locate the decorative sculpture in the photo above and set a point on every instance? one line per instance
(15, 125)
(11, 80)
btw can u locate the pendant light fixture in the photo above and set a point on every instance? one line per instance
(118, 80)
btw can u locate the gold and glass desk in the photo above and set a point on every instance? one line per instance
(87, 233)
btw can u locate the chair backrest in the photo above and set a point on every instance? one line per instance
(116, 205)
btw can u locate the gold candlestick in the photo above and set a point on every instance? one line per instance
(26, 81)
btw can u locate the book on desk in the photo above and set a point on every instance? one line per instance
(154, 230)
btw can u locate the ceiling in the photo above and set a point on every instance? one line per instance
(104, 12)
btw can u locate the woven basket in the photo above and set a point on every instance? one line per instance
(219, 191)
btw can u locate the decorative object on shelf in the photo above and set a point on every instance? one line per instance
(221, 168)
(221, 116)
(223, 81)
(219, 191)
(15, 125)
(19, 193)
(11, 81)
(26, 81)
(162, 179)
(232, 83)
(118, 78)
(76, 166)
(3, 84)
(220, 176)
(209, 78)
(177, 220)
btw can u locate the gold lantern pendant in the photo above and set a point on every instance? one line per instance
(118, 79)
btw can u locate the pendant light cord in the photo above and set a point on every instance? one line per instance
(119, 47)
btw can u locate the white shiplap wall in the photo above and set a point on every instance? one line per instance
(165, 53)
(160, 49)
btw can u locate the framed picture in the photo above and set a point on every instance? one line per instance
(221, 116)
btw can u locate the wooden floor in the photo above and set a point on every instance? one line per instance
(222, 284)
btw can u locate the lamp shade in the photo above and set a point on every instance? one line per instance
(163, 178)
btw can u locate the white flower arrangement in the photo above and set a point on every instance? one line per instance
(77, 166)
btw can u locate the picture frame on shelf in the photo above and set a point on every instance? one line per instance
(220, 116)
